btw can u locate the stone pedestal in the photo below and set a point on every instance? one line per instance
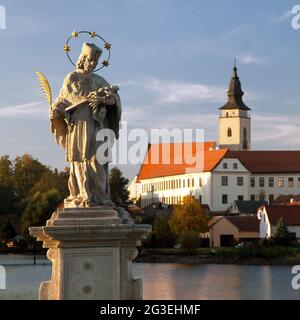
(91, 252)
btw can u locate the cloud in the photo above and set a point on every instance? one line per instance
(177, 92)
(249, 58)
(33, 108)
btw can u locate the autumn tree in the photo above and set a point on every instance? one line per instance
(189, 216)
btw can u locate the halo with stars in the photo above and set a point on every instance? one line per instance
(75, 34)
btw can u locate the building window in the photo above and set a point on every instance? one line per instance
(291, 182)
(224, 199)
(252, 197)
(229, 132)
(224, 181)
(261, 182)
(271, 198)
(179, 183)
(225, 165)
(240, 198)
(200, 198)
(188, 182)
(252, 182)
(200, 182)
(271, 182)
(183, 183)
(235, 165)
(193, 182)
(240, 181)
(280, 182)
(298, 182)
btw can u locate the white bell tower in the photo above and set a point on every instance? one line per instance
(234, 118)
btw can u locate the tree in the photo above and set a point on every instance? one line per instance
(8, 197)
(28, 171)
(190, 240)
(7, 231)
(118, 187)
(281, 235)
(161, 232)
(189, 216)
(51, 180)
(39, 209)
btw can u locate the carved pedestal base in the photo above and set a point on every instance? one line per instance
(91, 253)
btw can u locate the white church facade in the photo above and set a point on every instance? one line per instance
(231, 171)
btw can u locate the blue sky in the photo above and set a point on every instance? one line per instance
(172, 60)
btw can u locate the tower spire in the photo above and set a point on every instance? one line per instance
(235, 92)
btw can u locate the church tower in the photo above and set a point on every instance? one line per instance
(234, 118)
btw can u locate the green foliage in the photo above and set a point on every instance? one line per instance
(7, 231)
(118, 187)
(189, 216)
(8, 197)
(51, 180)
(190, 240)
(27, 171)
(161, 228)
(39, 209)
(256, 252)
(282, 233)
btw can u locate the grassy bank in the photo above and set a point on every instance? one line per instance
(277, 255)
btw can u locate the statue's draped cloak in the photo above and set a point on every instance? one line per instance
(78, 137)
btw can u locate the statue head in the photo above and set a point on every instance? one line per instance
(89, 57)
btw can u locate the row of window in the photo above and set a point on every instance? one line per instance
(271, 182)
(261, 182)
(252, 198)
(234, 165)
(170, 184)
(224, 181)
(165, 200)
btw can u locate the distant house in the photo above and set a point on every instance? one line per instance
(270, 215)
(226, 231)
(247, 207)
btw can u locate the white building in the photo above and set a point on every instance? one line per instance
(230, 173)
(270, 215)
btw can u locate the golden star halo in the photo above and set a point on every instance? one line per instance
(93, 34)
(74, 34)
(67, 48)
(107, 45)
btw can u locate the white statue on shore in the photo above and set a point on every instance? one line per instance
(86, 104)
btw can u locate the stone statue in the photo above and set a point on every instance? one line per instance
(86, 104)
(91, 242)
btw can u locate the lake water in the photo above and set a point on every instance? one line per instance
(167, 281)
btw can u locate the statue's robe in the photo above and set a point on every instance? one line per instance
(77, 130)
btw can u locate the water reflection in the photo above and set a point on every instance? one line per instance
(169, 281)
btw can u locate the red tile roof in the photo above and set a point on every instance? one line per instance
(245, 223)
(154, 166)
(289, 214)
(268, 161)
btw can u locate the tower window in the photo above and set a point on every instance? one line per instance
(229, 132)
(226, 114)
(245, 133)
